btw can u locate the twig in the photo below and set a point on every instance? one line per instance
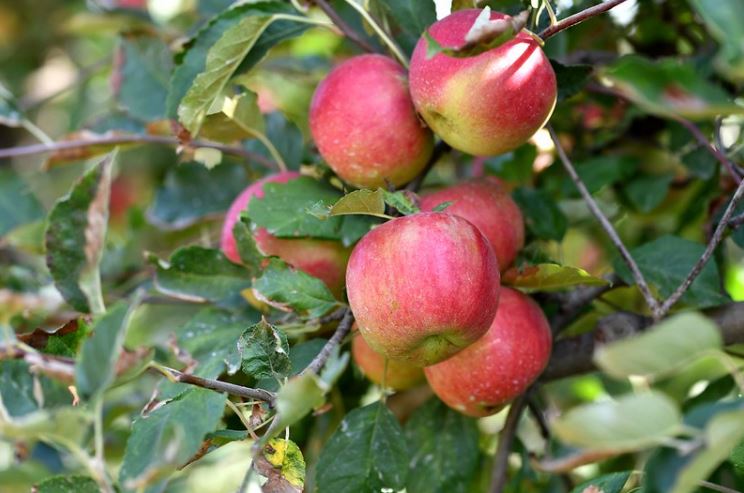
(343, 328)
(219, 386)
(345, 29)
(66, 145)
(715, 152)
(333, 316)
(651, 301)
(736, 221)
(506, 438)
(717, 487)
(579, 17)
(439, 150)
(536, 413)
(707, 254)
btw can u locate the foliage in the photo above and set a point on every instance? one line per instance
(135, 356)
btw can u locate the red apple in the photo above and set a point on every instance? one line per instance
(423, 287)
(364, 124)
(324, 259)
(397, 375)
(484, 377)
(486, 203)
(486, 104)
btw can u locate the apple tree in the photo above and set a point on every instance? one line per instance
(372, 246)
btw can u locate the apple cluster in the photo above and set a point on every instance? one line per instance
(425, 289)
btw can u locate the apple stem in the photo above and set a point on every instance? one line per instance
(585, 14)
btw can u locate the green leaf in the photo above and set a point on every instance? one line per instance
(570, 79)
(23, 392)
(168, 436)
(285, 287)
(541, 214)
(374, 451)
(412, 17)
(297, 398)
(646, 193)
(700, 163)
(402, 201)
(191, 192)
(723, 18)
(632, 422)
(662, 349)
(547, 277)
(601, 171)
(74, 238)
(286, 138)
(286, 211)
(67, 484)
(194, 60)
(264, 351)
(141, 72)
(669, 88)
(300, 355)
(444, 449)
(665, 263)
(360, 202)
(62, 426)
(250, 255)
(232, 118)
(607, 483)
(722, 433)
(514, 166)
(18, 206)
(222, 61)
(202, 274)
(96, 364)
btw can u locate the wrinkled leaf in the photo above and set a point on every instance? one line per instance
(661, 349)
(74, 239)
(374, 450)
(264, 351)
(282, 463)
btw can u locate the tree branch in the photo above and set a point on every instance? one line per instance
(651, 301)
(66, 145)
(574, 356)
(439, 150)
(715, 152)
(707, 254)
(506, 439)
(345, 29)
(579, 17)
(344, 326)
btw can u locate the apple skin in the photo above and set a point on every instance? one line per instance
(423, 287)
(365, 126)
(487, 104)
(324, 259)
(481, 379)
(399, 375)
(486, 203)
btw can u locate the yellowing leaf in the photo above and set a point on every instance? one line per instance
(546, 277)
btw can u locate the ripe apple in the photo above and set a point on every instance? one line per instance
(364, 124)
(324, 259)
(423, 287)
(486, 104)
(398, 375)
(485, 376)
(486, 203)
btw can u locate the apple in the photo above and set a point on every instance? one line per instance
(423, 287)
(397, 375)
(486, 104)
(324, 259)
(481, 379)
(364, 124)
(486, 203)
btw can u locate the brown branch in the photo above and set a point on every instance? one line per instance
(345, 29)
(343, 328)
(574, 356)
(707, 254)
(217, 385)
(736, 221)
(506, 439)
(439, 150)
(651, 301)
(66, 145)
(715, 152)
(579, 17)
